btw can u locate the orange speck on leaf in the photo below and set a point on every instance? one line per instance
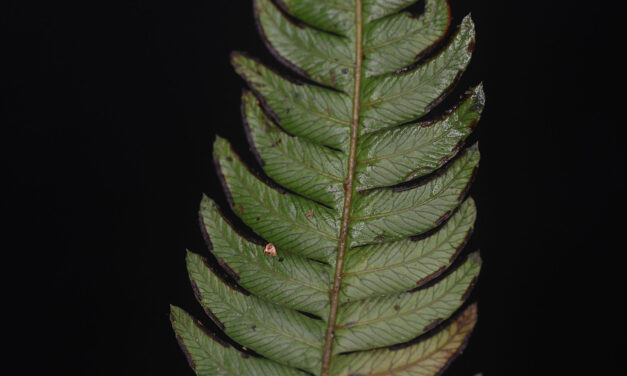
(270, 249)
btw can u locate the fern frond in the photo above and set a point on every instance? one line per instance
(365, 254)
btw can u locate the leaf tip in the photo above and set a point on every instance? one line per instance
(221, 147)
(174, 313)
(189, 254)
(478, 96)
(467, 21)
(467, 28)
(235, 57)
(206, 203)
(469, 205)
(475, 257)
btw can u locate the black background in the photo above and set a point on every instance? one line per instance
(109, 110)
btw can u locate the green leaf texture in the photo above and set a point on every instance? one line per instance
(367, 206)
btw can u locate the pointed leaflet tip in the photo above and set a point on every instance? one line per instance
(220, 145)
(467, 22)
(476, 257)
(467, 26)
(189, 254)
(235, 56)
(173, 312)
(479, 95)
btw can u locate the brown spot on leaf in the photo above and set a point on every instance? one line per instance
(244, 355)
(309, 214)
(397, 307)
(270, 249)
(239, 208)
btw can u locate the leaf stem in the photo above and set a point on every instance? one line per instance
(348, 187)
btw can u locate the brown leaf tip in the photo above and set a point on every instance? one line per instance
(270, 249)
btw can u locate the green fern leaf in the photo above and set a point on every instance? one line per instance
(358, 258)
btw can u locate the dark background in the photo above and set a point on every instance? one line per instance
(109, 110)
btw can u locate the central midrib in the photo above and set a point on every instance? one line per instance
(348, 187)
